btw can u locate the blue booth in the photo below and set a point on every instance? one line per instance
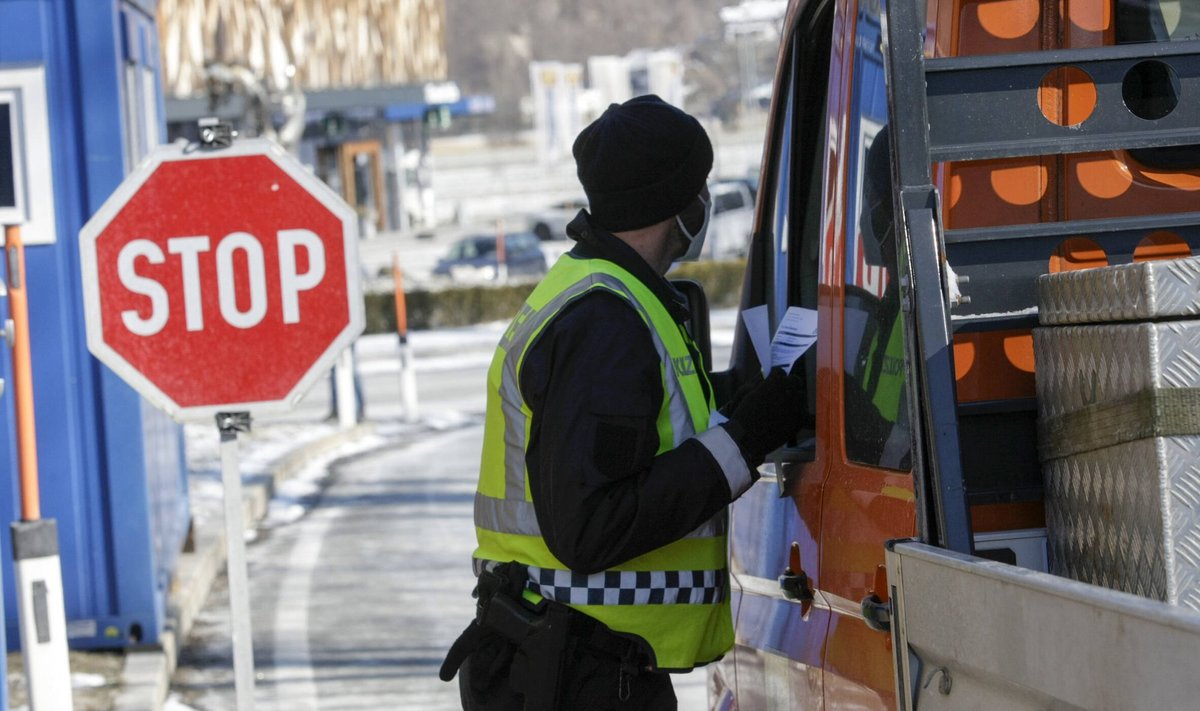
(80, 104)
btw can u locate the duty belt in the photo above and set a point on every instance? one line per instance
(542, 633)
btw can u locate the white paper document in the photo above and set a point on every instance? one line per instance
(796, 334)
(759, 329)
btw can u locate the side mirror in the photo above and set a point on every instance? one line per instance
(698, 326)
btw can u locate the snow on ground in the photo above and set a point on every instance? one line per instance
(259, 451)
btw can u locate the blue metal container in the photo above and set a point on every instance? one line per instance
(112, 468)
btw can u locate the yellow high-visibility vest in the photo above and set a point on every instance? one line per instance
(675, 597)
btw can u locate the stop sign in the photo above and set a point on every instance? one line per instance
(221, 280)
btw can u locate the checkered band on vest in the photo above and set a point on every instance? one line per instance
(627, 587)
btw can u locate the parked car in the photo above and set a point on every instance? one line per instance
(550, 223)
(473, 258)
(732, 219)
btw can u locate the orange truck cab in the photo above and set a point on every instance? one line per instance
(921, 383)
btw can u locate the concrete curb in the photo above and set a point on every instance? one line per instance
(146, 676)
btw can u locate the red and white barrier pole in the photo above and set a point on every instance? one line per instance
(43, 620)
(346, 403)
(408, 371)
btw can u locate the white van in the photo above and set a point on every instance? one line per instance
(732, 220)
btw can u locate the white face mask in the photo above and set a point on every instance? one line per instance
(695, 240)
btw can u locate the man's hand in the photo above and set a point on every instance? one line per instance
(769, 415)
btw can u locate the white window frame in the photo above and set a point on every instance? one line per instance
(23, 89)
(141, 114)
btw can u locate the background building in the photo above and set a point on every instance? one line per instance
(352, 86)
(562, 102)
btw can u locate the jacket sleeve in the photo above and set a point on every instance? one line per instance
(602, 495)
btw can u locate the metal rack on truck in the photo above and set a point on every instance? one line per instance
(949, 608)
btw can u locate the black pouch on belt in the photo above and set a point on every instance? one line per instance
(540, 665)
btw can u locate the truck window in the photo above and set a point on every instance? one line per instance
(876, 412)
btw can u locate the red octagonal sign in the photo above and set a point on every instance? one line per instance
(221, 280)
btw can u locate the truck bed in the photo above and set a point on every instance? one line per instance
(985, 635)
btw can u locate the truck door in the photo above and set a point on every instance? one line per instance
(774, 554)
(868, 496)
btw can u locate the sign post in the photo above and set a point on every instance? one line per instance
(229, 424)
(221, 280)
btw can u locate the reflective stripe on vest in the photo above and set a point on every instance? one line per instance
(675, 597)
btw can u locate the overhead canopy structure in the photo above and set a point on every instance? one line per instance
(394, 103)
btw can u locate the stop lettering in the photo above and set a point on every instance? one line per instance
(221, 281)
(250, 249)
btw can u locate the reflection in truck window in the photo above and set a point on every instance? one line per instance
(876, 408)
(783, 187)
(1158, 21)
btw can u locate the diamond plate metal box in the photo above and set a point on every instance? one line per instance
(1141, 291)
(1124, 515)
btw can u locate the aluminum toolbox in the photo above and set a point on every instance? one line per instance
(1129, 292)
(1119, 434)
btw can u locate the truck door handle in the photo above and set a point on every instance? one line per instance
(877, 605)
(794, 581)
(877, 613)
(795, 586)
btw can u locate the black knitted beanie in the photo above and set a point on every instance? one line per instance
(641, 162)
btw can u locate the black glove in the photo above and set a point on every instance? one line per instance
(738, 395)
(769, 415)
